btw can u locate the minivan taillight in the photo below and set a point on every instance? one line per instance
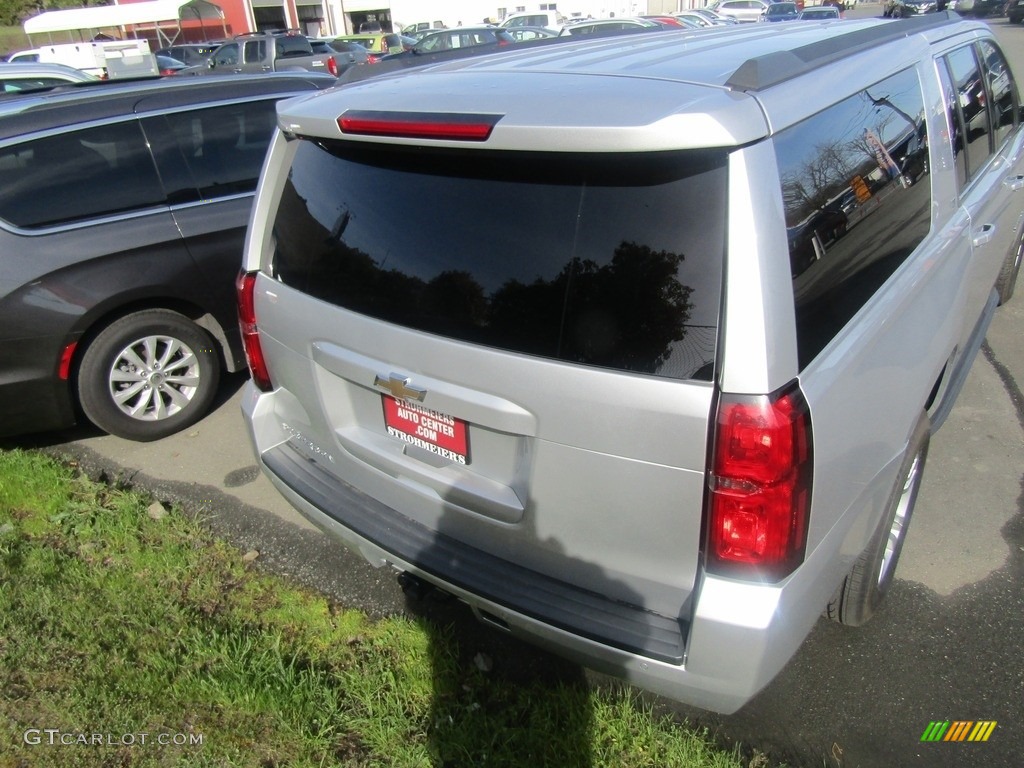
(332, 66)
(760, 485)
(245, 288)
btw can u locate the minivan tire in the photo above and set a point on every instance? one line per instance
(123, 385)
(862, 590)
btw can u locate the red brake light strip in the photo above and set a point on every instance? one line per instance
(419, 125)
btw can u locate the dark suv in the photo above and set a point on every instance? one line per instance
(123, 211)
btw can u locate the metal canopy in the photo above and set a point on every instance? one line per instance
(151, 12)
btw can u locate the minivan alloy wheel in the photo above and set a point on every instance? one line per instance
(148, 375)
(154, 377)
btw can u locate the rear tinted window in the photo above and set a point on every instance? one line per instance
(288, 46)
(613, 261)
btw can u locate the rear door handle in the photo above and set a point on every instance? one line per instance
(1015, 182)
(984, 234)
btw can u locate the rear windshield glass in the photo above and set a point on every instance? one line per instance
(612, 261)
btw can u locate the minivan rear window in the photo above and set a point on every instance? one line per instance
(606, 260)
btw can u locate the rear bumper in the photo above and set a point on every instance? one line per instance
(738, 638)
(33, 401)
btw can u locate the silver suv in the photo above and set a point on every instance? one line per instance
(637, 348)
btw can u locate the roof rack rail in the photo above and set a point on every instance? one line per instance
(773, 68)
(274, 31)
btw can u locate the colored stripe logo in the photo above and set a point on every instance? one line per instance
(958, 730)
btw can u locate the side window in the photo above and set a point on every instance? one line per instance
(80, 175)
(255, 51)
(227, 55)
(435, 43)
(971, 106)
(857, 198)
(1002, 90)
(224, 146)
(955, 127)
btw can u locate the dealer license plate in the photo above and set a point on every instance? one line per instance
(424, 428)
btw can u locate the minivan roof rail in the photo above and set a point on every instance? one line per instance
(762, 72)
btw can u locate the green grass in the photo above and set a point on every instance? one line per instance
(119, 623)
(13, 39)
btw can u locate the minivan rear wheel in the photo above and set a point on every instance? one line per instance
(864, 587)
(148, 375)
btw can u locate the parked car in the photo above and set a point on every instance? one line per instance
(741, 10)
(167, 65)
(634, 433)
(526, 34)
(695, 19)
(978, 8)
(122, 217)
(902, 9)
(348, 53)
(603, 27)
(459, 37)
(411, 30)
(716, 18)
(781, 11)
(108, 59)
(671, 22)
(819, 13)
(551, 19)
(24, 57)
(380, 44)
(31, 76)
(191, 54)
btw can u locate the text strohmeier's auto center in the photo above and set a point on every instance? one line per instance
(428, 429)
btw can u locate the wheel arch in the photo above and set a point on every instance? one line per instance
(103, 315)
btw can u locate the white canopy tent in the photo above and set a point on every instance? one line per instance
(150, 14)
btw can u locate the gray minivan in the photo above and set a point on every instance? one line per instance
(681, 405)
(123, 210)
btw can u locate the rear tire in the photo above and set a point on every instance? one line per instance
(148, 375)
(1007, 279)
(864, 587)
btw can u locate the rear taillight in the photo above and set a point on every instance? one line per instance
(332, 66)
(760, 485)
(245, 288)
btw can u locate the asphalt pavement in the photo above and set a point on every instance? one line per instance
(946, 646)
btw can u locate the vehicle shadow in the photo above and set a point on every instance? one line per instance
(229, 385)
(495, 699)
(493, 696)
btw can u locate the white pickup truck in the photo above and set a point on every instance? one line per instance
(109, 59)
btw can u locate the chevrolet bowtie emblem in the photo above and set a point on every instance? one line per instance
(399, 387)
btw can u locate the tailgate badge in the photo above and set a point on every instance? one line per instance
(399, 387)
